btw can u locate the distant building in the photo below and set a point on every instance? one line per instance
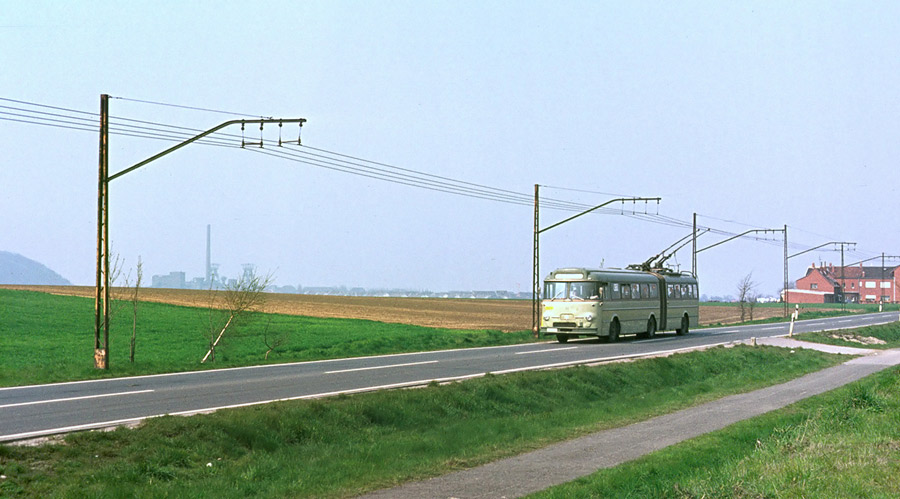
(175, 280)
(856, 284)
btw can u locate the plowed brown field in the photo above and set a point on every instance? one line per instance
(503, 315)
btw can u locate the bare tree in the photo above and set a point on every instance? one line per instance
(746, 294)
(245, 295)
(117, 296)
(134, 305)
(752, 300)
(273, 340)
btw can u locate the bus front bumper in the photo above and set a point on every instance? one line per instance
(569, 330)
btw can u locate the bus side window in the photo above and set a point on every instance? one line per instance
(636, 291)
(626, 291)
(654, 292)
(670, 290)
(677, 290)
(686, 290)
(645, 291)
(696, 292)
(615, 294)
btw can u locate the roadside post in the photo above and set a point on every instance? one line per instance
(794, 317)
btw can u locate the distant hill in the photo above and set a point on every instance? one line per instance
(16, 269)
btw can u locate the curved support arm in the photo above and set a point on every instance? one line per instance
(200, 136)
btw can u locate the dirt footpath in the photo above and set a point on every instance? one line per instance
(502, 315)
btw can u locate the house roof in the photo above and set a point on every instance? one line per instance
(877, 272)
(856, 272)
(825, 275)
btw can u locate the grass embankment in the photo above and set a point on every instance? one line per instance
(713, 313)
(348, 444)
(879, 337)
(844, 443)
(46, 338)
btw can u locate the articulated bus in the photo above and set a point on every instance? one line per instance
(612, 302)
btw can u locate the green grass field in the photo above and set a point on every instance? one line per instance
(46, 338)
(844, 443)
(349, 444)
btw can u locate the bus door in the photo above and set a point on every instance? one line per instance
(663, 304)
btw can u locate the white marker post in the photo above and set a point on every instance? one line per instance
(794, 317)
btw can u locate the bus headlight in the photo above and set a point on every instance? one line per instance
(547, 318)
(589, 317)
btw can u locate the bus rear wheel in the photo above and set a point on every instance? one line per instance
(651, 329)
(614, 330)
(685, 325)
(562, 338)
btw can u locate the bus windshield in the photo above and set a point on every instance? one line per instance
(588, 290)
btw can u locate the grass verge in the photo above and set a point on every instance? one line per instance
(46, 338)
(844, 443)
(879, 337)
(349, 444)
(806, 315)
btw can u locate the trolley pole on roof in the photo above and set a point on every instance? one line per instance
(102, 299)
(536, 278)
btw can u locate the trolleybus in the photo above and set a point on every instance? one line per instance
(614, 302)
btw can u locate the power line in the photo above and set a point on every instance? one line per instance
(335, 161)
(588, 191)
(421, 181)
(48, 107)
(192, 108)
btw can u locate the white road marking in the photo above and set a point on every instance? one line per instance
(771, 327)
(67, 429)
(551, 350)
(261, 366)
(382, 367)
(69, 399)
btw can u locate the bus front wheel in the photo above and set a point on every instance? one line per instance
(614, 330)
(562, 338)
(685, 325)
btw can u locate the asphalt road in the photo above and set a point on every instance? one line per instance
(33, 411)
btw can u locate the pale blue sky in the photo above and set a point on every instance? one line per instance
(765, 113)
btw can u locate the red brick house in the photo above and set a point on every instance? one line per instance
(858, 284)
